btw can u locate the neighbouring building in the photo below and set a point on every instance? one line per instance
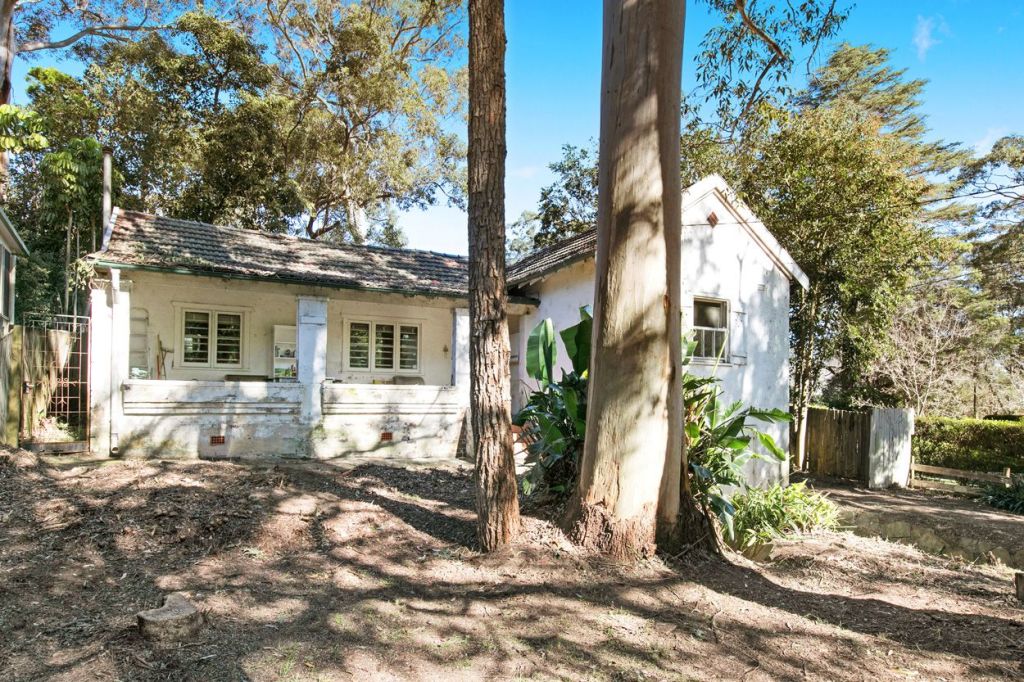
(736, 284)
(222, 342)
(11, 247)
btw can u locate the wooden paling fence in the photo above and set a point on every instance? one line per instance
(959, 475)
(871, 446)
(838, 443)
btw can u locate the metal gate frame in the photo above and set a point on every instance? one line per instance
(55, 362)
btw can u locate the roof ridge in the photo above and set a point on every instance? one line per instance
(546, 250)
(290, 237)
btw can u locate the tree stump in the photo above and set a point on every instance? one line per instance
(175, 621)
(1018, 581)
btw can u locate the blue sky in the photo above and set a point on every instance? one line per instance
(970, 51)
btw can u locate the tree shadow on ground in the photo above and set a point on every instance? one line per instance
(382, 580)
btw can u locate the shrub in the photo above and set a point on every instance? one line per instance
(556, 414)
(718, 436)
(1010, 498)
(763, 515)
(969, 444)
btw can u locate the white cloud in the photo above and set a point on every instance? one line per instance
(525, 172)
(992, 135)
(924, 39)
(925, 34)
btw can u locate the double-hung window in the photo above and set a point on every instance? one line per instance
(212, 338)
(379, 346)
(711, 329)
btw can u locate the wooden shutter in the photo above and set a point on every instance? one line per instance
(738, 333)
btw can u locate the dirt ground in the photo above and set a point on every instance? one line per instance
(306, 573)
(965, 523)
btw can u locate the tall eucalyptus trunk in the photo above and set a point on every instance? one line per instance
(490, 392)
(634, 424)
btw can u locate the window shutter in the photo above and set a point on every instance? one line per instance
(738, 346)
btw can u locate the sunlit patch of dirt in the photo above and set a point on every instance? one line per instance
(306, 572)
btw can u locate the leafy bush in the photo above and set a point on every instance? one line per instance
(1010, 498)
(718, 439)
(556, 415)
(970, 444)
(718, 436)
(763, 515)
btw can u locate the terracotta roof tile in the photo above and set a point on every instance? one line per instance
(156, 241)
(553, 257)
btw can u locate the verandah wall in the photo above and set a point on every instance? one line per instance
(313, 417)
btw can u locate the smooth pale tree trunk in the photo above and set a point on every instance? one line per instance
(490, 395)
(634, 421)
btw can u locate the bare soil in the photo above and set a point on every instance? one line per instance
(969, 520)
(312, 573)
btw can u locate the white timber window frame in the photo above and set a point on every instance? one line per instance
(370, 357)
(7, 265)
(712, 339)
(217, 330)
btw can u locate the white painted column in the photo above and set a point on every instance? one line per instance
(311, 347)
(460, 371)
(120, 342)
(460, 350)
(99, 371)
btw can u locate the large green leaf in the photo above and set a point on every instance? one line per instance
(771, 446)
(577, 341)
(540, 352)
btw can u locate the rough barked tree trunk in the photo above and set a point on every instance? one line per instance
(634, 411)
(490, 407)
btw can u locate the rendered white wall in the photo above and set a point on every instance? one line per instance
(266, 304)
(184, 415)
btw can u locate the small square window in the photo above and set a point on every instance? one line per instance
(212, 339)
(710, 328)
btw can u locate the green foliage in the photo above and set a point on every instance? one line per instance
(764, 515)
(20, 129)
(969, 444)
(1010, 498)
(720, 437)
(556, 414)
(568, 206)
(541, 352)
(718, 442)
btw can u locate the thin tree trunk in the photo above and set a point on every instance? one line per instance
(635, 408)
(8, 48)
(490, 393)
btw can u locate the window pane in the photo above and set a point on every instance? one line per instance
(359, 345)
(384, 346)
(408, 347)
(709, 314)
(196, 345)
(229, 339)
(710, 343)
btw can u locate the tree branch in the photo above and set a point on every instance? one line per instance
(103, 31)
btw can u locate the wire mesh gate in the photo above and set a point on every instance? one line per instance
(55, 392)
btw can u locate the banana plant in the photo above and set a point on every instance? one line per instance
(718, 442)
(556, 415)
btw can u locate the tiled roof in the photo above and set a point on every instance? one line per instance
(142, 239)
(551, 258)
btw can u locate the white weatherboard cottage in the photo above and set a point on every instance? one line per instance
(736, 280)
(221, 342)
